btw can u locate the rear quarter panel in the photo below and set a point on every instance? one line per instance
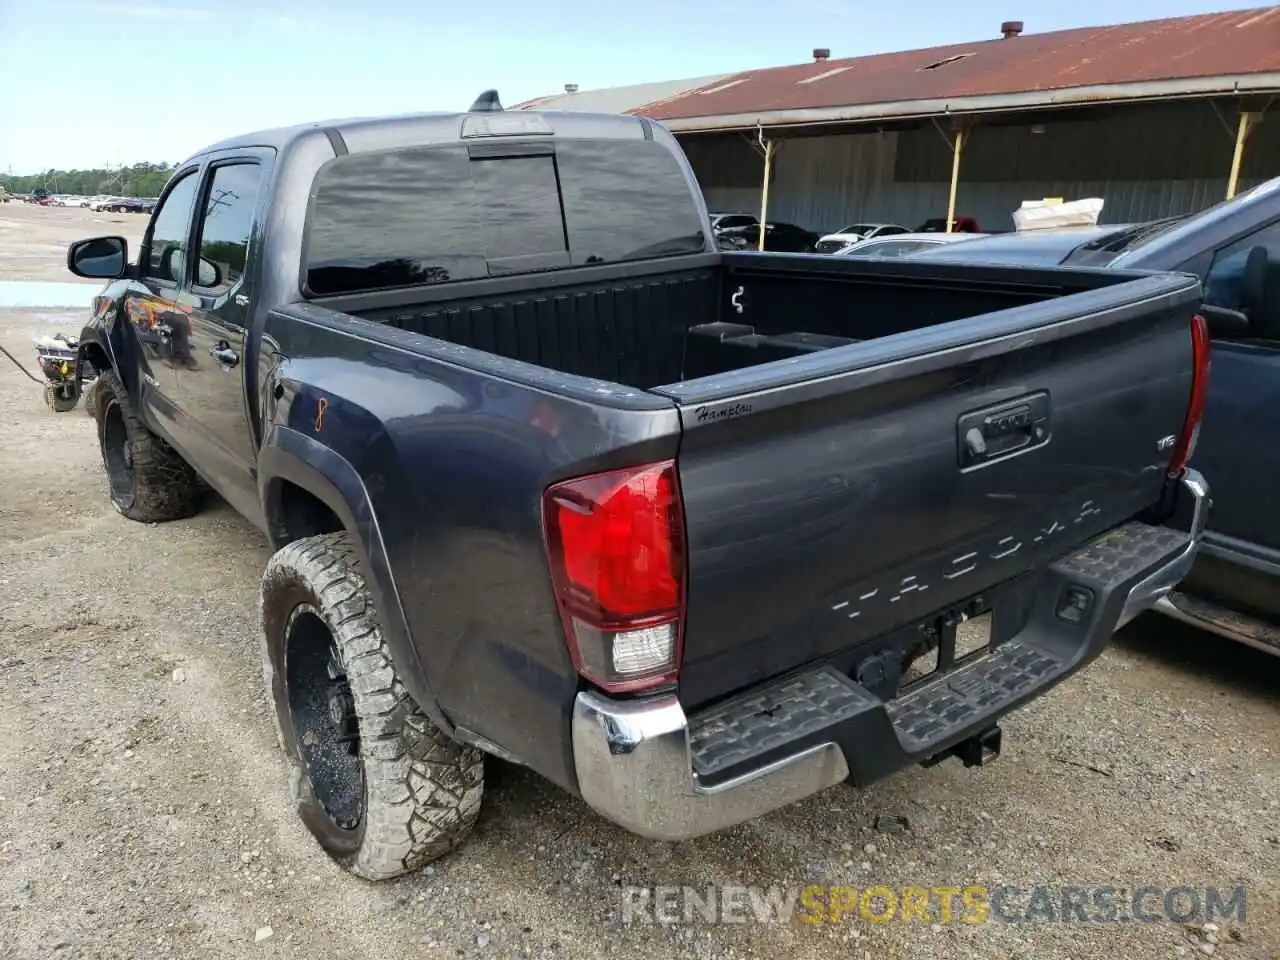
(455, 448)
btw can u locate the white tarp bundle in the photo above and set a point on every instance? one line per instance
(1054, 213)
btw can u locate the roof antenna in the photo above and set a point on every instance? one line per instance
(487, 102)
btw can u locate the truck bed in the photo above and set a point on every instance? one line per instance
(661, 323)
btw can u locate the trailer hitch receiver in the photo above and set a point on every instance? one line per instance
(975, 751)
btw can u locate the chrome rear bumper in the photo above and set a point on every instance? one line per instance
(1161, 582)
(634, 768)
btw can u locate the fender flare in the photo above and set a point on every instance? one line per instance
(289, 455)
(94, 336)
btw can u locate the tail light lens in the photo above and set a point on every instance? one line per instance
(616, 545)
(1201, 353)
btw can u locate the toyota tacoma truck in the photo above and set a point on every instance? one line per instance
(550, 478)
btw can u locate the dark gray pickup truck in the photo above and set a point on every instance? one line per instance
(693, 534)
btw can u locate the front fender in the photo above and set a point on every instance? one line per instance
(95, 336)
(289, 455)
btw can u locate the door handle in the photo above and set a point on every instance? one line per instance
(1005, 430)
(223, 353)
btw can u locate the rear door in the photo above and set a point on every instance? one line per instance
(834, 498)
(212, 393)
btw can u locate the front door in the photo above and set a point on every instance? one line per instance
(153, 306)
(212, 387)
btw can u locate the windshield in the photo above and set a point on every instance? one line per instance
(1150, 246)
(1132, 237)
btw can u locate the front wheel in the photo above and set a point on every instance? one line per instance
(146, 478)
(382, 789)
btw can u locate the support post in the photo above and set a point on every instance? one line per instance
(764, 187)
(956, 148)
(1246, 123)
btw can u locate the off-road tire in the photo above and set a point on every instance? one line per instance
(421, 789)
(146, 479)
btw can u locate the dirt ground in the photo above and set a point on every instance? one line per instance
(147, 813)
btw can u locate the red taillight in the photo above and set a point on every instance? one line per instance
(616, 545)
(1200, 356)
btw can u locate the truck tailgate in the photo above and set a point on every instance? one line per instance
(832, 499)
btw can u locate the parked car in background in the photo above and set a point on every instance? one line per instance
(724, 227)
(1071, 246)
(902, 244)
(1234, 248)
(723, 221)
(853, 233)
(778, 238)
(939, 225)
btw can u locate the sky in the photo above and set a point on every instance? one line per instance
(96, 83)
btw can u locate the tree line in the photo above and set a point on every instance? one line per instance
(139, 180)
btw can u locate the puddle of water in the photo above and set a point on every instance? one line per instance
(41, 293)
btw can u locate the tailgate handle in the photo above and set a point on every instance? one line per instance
(995, 433)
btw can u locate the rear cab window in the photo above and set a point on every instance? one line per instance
(439, 214)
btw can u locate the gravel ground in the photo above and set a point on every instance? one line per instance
(147, 811)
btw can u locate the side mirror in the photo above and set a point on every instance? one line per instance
(208, 274)
(99, 258)
(173, 263)
(1253, 283)
(1260, 294)
(1225, 324)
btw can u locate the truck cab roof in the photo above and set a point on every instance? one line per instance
(357, 134)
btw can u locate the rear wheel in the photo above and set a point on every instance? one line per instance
(383, 790)
(146, 478)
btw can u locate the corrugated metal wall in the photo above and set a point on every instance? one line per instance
(825, 182)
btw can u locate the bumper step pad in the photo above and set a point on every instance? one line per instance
(1120, 553)
(959, 698)
(752, 725)
(762, 723)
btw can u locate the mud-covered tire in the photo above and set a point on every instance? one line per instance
(146, 478)
(409, 794)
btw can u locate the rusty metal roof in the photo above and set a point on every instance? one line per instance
(1209, 45)
(617, 99)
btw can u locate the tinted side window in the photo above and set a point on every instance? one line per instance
(625, 200)
(228, 221)
(167, 253)
(1223, 285)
